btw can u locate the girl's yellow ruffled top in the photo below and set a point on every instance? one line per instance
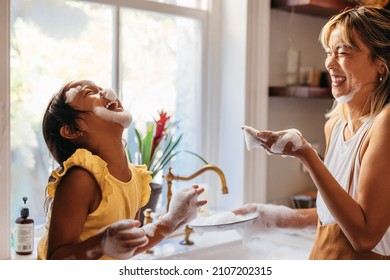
(120, 200)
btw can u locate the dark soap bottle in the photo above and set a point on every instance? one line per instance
(24, 232)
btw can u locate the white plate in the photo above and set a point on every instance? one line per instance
(201, 224)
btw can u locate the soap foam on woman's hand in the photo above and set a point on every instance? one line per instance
(250, 137)
(284, 142)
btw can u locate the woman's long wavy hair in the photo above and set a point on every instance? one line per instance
(371, 25)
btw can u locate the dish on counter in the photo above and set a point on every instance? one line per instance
(222, 221)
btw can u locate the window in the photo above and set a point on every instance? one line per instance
(161, 70)
(52, 42)
(150, 52)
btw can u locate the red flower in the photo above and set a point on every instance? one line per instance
(149, 144)
(160, 130)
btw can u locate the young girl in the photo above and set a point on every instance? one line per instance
(95, 194)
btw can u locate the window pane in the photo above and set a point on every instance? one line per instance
(195, 4)
(52, 42)
(161, 69)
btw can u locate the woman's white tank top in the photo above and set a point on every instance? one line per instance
(341, 156)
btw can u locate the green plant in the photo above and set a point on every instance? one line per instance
(158, 146)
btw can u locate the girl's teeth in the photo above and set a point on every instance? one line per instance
(109, 104)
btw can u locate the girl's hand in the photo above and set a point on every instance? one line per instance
(288, 142)
(183, 207)
(121, 239)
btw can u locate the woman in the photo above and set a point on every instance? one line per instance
(96, 195)
(353, 182)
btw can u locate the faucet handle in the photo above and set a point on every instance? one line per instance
(147, 220)
(148, 216)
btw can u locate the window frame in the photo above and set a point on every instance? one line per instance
(5, 228)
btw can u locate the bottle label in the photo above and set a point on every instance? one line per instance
(24, 237)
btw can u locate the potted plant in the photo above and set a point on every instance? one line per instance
(155, 150)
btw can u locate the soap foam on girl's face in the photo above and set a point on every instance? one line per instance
(71, 94)
(123, 118)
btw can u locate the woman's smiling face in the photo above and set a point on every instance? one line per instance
(352, 70)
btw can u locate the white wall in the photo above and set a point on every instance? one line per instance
(232, 105)
(256, 109)
(244, 98)
(285, 176)
(296, 31)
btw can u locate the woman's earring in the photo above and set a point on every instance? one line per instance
(380, 79)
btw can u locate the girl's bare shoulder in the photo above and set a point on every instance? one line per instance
(78, 182)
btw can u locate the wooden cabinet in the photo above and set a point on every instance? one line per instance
(320, 8)
(300, 92)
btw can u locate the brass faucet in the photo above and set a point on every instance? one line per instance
(170, 177)
(147, 220)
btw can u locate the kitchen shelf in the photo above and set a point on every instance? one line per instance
(320, 8)
(300, 92)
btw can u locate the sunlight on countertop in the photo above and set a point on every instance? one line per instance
(225, 245)
(222, 245)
